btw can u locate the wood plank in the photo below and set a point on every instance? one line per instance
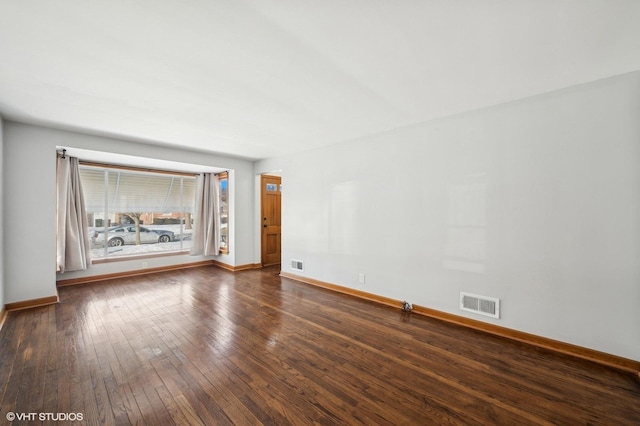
(624, 364)
(209, 346)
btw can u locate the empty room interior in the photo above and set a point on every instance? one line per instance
(354, 212)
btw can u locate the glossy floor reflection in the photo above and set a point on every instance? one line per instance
(207, 346)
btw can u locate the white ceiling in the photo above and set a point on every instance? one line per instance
(261, 78)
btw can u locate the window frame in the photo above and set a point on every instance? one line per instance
(224, 176)
(109, 259)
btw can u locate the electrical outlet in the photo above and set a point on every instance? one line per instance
(361, 278)
(145, 265)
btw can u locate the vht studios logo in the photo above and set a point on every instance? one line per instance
(52, 417)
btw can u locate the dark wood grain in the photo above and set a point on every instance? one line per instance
(207, 346)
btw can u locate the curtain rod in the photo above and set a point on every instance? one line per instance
(136, 169)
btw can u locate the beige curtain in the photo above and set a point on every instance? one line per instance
(205, 237)
(74, 250)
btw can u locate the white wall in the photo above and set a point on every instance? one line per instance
(29, 200)
(536, 202)
(29, 218)
(1, 216)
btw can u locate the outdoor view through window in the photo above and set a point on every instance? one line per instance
(223, 178)
(137, 212)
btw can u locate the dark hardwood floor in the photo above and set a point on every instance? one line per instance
(207, 346)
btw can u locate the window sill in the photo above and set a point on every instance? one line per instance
(137, 257)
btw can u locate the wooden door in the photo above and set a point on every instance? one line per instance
(270, 201)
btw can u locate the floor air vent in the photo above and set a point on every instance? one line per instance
(483, 305)
(296, 265)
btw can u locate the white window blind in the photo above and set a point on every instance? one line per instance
(131, 191)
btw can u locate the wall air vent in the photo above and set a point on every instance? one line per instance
(483, 305)
(296, 265)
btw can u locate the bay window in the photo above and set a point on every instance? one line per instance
(136, 212)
